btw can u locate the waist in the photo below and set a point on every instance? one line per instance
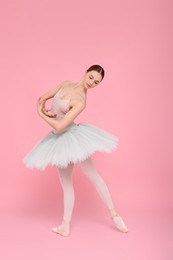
(73, 124)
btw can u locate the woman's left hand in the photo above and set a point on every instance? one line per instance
(48, 112)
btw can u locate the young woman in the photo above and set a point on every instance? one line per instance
(69, 143)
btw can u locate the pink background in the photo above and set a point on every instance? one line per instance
(46, 42)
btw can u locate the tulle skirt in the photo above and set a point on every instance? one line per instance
(74, 144)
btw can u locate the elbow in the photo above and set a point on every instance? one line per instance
(59, 128)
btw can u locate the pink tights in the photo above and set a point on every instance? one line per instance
(65, 175)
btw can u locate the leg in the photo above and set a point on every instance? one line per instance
(90, 171)
(65, 176)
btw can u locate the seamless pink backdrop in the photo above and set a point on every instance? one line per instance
(46, 42)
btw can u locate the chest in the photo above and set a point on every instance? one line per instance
(60, 105)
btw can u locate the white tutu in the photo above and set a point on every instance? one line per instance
(74, 144)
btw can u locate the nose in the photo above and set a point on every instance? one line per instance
(91, 82)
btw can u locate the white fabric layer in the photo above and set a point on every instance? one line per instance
(74, 144)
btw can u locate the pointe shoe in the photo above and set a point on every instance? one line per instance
(118, 221)
(59, 230)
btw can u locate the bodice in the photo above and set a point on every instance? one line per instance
(60, 106)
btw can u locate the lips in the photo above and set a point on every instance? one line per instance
(88, 85)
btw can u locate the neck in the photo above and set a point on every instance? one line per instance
(80, 85)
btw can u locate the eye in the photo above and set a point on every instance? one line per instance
(90, 77)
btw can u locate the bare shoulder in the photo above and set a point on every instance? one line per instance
(63, 85)
(66, 83)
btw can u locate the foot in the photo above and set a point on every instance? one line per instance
(118, 221)
(63, 229)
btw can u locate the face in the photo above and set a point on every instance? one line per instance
(92, 79)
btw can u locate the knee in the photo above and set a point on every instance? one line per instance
(92, 175)
(65, 180)
(67, 183)
(89, 170)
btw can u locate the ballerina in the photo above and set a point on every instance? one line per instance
(69, 143)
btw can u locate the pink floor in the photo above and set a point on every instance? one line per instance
(26, 234)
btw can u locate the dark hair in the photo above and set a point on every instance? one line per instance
(97, 68)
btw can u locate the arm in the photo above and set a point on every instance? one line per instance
(52, 92)
(66, 120)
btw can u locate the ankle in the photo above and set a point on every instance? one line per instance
(113, 212)
(66, 222)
